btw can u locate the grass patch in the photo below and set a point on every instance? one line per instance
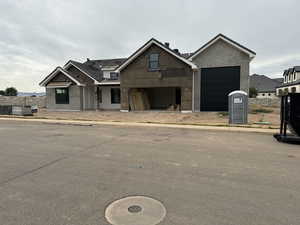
(261, 110)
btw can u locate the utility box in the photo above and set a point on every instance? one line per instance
(238, 107)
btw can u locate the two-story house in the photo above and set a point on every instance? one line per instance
(291, 83)
(154, 77)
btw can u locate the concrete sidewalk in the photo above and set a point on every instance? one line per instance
(141, 124)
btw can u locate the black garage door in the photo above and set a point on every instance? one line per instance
(216, 84)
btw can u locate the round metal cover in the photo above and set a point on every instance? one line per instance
(135, 210)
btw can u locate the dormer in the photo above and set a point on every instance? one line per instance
(285, 76)
(296, 73)
(109, 73)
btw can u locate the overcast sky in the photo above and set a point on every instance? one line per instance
(38, 35)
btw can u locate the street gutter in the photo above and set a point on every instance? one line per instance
(209, 127)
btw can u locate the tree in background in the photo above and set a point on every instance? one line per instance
(252, 92)
(11, 91)
(2, 92)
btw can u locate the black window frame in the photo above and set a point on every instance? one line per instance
(62, 98)
(113, 99)
(114, 76)
(151, 61)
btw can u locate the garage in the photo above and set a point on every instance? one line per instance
(216, 84)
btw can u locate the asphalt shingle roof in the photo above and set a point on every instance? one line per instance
(93, 67)
(90, 70)
(105, 62)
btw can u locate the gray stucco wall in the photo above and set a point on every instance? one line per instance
(75, 96)
(106, 99)
(221, 54)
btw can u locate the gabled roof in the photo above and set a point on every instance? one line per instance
(54, 73)
(227, 40)
(291, 70)
(146, 46)
(297, 68)
(89, 71)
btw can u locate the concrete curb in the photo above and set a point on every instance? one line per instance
(196, 127)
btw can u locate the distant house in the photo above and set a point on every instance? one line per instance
(291, 83)
(265, 86)
(154, 77)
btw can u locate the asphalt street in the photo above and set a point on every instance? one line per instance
(63, 174)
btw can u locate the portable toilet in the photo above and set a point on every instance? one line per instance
(238, 107)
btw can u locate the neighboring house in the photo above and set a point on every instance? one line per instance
(265, 86)
(155, 77)
(291, 83)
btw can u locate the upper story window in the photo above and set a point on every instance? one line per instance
(154, 61)
(110, 75)
(106, 74)
(295, 77)
(285, 79)
(114, 76)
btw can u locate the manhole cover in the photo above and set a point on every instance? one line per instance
(135, 210)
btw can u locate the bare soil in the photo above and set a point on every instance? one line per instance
(271, 117)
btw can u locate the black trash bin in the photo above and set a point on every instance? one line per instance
(290, 119)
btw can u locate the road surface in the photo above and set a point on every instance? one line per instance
(60, 174)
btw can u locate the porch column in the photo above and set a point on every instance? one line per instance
(186, 99)
(124, 99)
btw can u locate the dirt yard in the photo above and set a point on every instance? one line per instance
(267, 117)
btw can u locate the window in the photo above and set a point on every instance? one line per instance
(263, 94)
(153, 61)
(115, 95)
(295, 76)
(106, 74)
(294, 89)
(269, 94)
(62, 95)
(114, 76)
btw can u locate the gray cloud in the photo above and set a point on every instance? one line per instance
(36, 36)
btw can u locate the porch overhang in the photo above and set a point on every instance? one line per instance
(58, 84)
